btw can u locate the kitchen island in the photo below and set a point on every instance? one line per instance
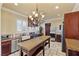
(72, 47)
(30, 46)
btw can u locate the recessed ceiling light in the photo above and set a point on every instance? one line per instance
(15, 4)
(57, 7)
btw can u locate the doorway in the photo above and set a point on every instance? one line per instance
(47, 28)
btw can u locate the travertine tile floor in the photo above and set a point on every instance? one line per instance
(54, 50)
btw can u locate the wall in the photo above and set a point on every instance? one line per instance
(55, 26)
(8, 23)
(0, 27)
(76, 7)
(55, 22)
(0, 17)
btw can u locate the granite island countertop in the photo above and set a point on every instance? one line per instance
(72, 44)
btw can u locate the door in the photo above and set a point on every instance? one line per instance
(47, 28)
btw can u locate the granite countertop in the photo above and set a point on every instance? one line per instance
(28, 45)
(5, 40)
(72, 44)
(8, 39)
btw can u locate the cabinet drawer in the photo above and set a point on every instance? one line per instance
(6, 42)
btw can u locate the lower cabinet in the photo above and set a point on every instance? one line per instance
(8, 47)
(52, 35)
(5, 48)
(58, 37)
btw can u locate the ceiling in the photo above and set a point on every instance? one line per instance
(48, 8)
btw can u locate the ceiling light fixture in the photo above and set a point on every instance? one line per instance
(33, 12)
(30, 16)
(15, 4)
(43, 16)
(57, 7)
(36, 16)
(32, 19)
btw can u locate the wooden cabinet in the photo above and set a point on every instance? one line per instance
(5, 48)
(58, 38)
(71, 25)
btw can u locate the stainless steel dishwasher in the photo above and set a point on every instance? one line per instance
(14, 45)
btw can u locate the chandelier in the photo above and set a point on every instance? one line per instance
(36, 16)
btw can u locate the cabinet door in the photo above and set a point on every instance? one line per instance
(78, 25)
(5, 48)
(71, 25)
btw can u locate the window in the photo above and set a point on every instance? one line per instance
(21, 25)
(24, 26)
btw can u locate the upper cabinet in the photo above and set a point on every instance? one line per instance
(71, 25)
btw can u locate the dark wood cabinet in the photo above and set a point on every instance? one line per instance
(71, 25)
(58, 38)
(52, 35)
(5, 48)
